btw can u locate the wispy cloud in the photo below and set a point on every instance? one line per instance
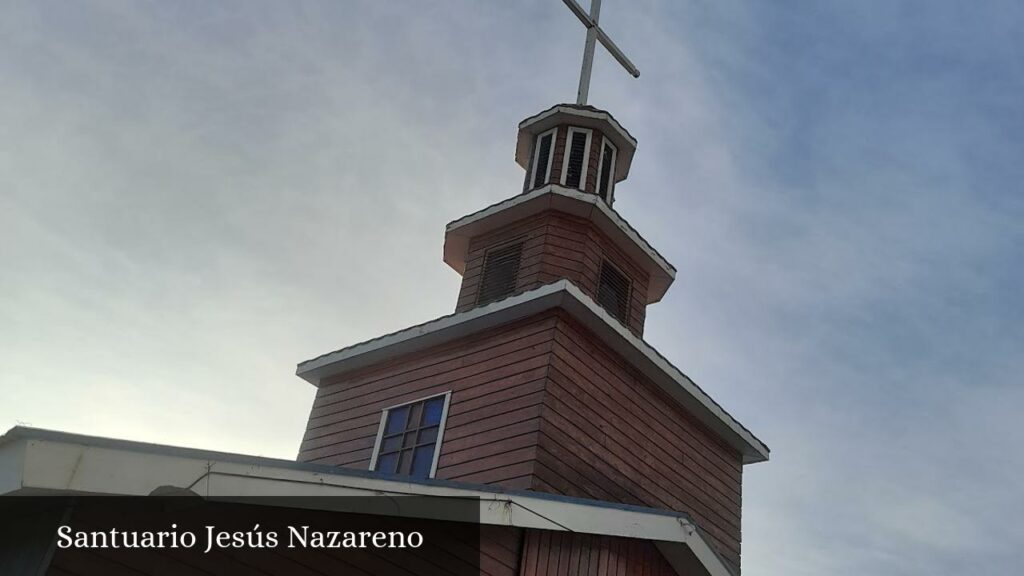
(195, 197)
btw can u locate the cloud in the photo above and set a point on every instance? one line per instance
(193, 199)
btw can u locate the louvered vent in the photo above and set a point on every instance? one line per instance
(501, 270)
(577, 151)
(604, 185)
(540, 172)
(613, 292)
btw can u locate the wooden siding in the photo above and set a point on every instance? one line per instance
(556, 246)
(501, 550)
(608, 434)
(497, 381)
(548, 553)
(543, 404)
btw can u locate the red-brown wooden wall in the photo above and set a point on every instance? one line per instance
(556, 246)
(497, 381)
(563, 553)
(607, 433)
(542, 404)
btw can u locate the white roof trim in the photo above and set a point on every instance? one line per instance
(554, 196)
(431, 333)
(47, 462)
(565, 295)
(583, 113)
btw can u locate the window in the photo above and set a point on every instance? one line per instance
(606, 170)
(574, 163)
(543, 150)
(613, 292)
(501, 270)
(409, 437)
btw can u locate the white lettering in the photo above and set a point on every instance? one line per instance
(63, 539)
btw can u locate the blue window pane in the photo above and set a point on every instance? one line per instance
(427, 435)
(409, 440)
(404, 462)
(391, 444)
(432, 411)
(422, 461)
(387, 463)
(396, 420)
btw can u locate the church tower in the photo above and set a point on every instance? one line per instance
(540, 380)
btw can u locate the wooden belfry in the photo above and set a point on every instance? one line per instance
(541, 380)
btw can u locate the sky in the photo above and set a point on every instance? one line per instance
(195, 197)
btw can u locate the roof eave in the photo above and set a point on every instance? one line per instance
(566, 296)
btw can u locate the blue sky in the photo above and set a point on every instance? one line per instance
(195, 197)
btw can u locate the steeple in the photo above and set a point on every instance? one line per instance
(562, 225)
(540, 379)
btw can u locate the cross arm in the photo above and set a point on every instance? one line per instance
(602, 37)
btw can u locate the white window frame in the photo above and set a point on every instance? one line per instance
(611, 173)
(586, 155)
(536, 156)
(440, 429)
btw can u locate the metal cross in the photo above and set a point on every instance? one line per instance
(594, 34)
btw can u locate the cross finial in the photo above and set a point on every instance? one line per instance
(595, 34)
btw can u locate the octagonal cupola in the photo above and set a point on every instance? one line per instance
(575, 146)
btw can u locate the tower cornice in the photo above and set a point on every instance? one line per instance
(571, 201)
